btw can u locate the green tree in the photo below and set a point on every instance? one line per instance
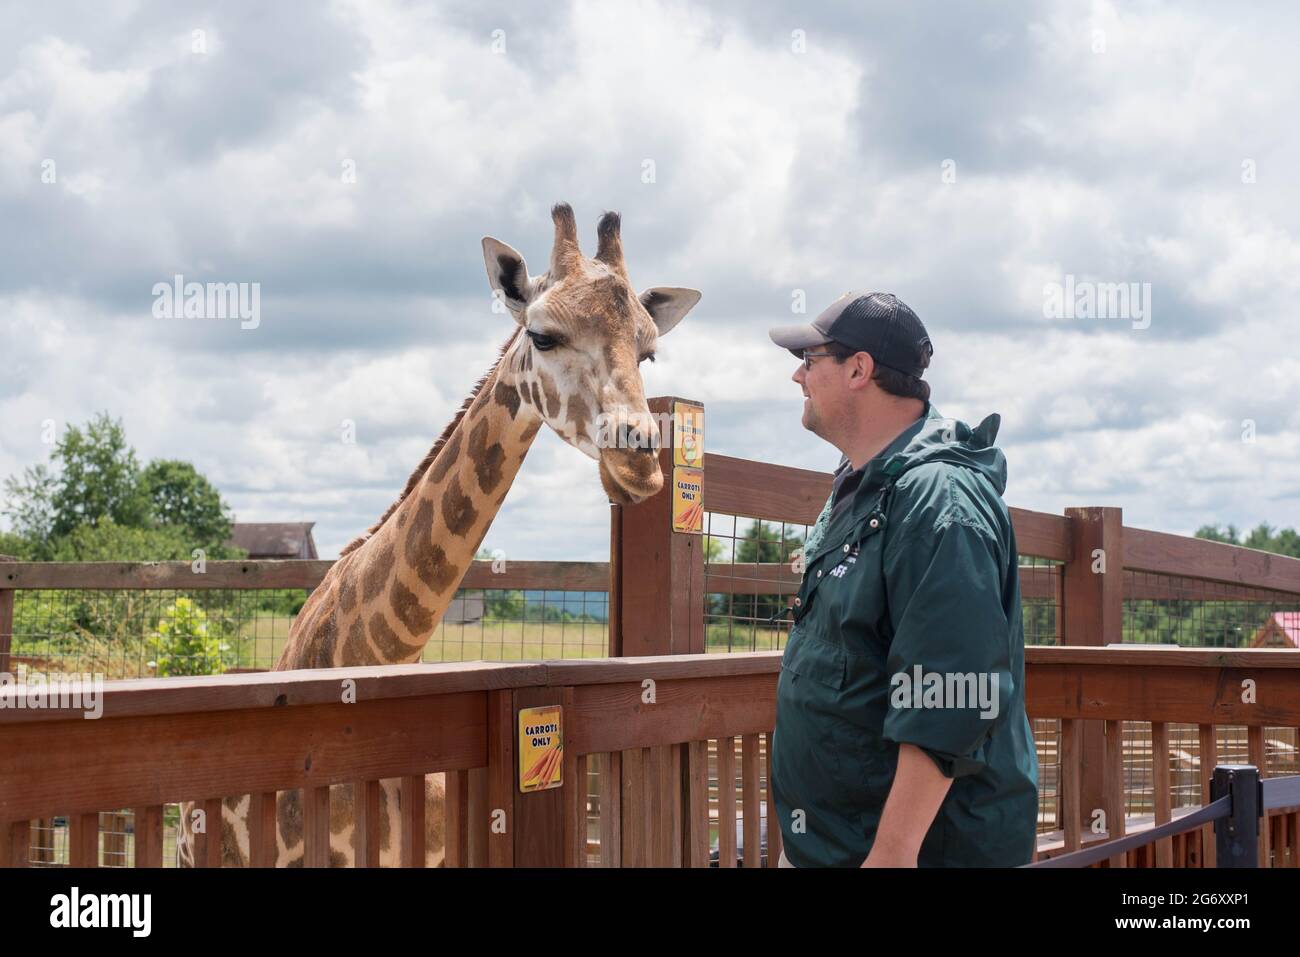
(29, 505)
(111, 542)
(99, 478)
(185, 644)
(179, 495)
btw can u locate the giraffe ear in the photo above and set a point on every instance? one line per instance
(507, 274)
(667, 305)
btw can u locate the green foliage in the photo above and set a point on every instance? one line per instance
(99, 478)
(185, 644)
(180, 496)
(29, 505)
(1285, 541)
(16, 546)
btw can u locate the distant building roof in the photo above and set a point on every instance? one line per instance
(274, 539)
(1281, 630)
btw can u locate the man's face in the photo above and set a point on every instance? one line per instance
(825, 392)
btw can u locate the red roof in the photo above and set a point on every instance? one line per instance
(1284, 623)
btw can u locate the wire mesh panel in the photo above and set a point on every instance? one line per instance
(154, 633)
(49, 840)
(1171, 609)
(1040, 599)
(752, 571)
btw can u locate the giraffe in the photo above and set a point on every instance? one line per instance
(572, 363)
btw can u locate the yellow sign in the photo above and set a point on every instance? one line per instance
(541, 748)
(688, 435)
(688, 500)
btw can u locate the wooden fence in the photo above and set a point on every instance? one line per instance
(203, 738)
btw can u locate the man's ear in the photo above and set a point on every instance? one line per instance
(667, 305)
(507, 274)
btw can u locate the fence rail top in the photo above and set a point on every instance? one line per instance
(1164, 657)
(131, 697)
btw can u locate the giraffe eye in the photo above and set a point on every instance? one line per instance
(648, 355)
(544, 343)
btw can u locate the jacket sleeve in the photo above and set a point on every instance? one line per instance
(944, 587)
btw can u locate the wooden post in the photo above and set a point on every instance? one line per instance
(657, 575)
(538, 816)
(1093, 614)
(6, 616)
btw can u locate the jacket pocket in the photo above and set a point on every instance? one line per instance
(818, 660)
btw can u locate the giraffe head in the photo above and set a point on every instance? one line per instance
(586, 333)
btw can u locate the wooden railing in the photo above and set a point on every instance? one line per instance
(645, 723)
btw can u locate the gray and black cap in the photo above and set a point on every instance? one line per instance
(878, 323)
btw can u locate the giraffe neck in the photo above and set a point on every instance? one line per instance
(389, 595)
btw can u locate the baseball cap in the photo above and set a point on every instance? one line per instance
(878, 323)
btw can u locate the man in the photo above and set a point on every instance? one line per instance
(901, 736)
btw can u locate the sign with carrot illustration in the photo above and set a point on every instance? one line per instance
(688, 500)
(541, 748)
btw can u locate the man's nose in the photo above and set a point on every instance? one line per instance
(799, 374)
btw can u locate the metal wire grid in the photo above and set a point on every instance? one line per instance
(145, 633)
(1171, 609)
(755, 554)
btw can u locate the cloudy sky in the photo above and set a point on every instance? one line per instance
(350, 157)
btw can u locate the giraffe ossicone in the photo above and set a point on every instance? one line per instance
(572, 362)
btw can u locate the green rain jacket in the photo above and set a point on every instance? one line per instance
(909, 607)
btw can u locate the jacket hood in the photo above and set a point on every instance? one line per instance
(936, 438)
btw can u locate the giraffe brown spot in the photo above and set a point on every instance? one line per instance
(338, 859)
(347, 595)
(377, 573)
(428, 560)
(579, 413)
(530, 431)
(457, 509)
(508, 396)
(446, 458)
(355, 651)
(487, 458)
(406, 605)
(295, 861)
(326, 636)
(390, 645)
(288, 812)
(340, 807)
(537, 396)
(231, 855)
(552, 395)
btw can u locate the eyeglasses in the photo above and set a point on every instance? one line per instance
(809, 356)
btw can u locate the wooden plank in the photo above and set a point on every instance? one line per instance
(1172, 694)
(1160, 783)
(776, 493)
(634, 808)
(207, 842)
(316, 826)
(6, 613)
(15, 843)
(1069, 795)
(750, 819)
(611, 810)
(773, 818)
(291, 573)
(1113, 787)
(1179, 555)
(575, 812)
(696, 826)
(412, 802)
(501, 778)
(613, 718)
(478, 817)
(1209, 757)
(148, 828)
(727, 802)
(81, 765)
(83, 839)
(456, 848)
(284, 689)
(1255, 750)
(1280, 659)
(263, 848)
(539, 815)
(614, 607)
(1042, 534)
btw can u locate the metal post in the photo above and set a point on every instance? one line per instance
(1237, 835)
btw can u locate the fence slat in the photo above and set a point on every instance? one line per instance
(149, 836)
(15, 843)
(1255, 750)
(367, 822)
(633, 808)
(1209, 757)
(773, 820)
(263, 850)
(1113, 787)
(316, 826)
(83, 839)
(697, 802)
(456, 848)
(1160, 781)
(611, 809)
(751, 818)
(726, 802)
(412, 801)
(1068, 804)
